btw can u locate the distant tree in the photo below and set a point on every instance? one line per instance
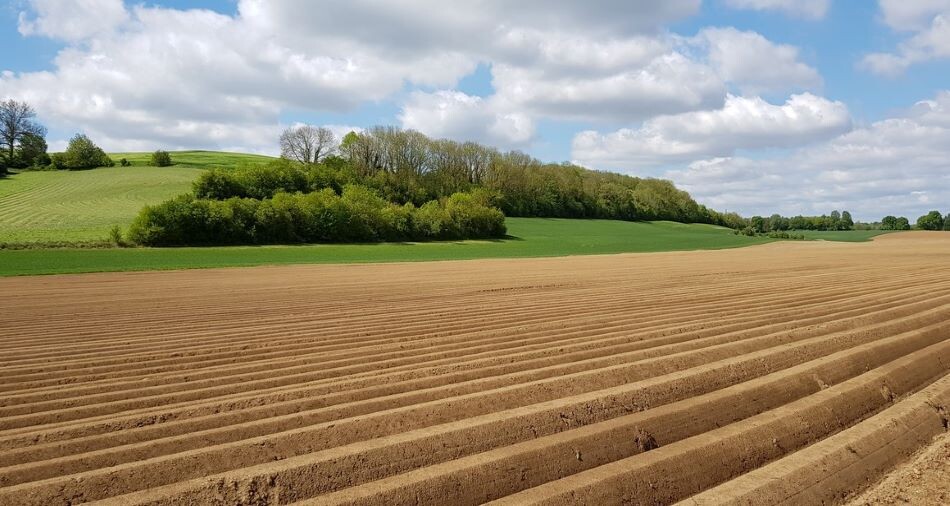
(161, 158)
(32, 151)
(846, 222)
(307, 144)
(902, 224)
(946, 222)
(889, 223)
(758, 224)
(82, 153)
(930, 221)
(16, 121)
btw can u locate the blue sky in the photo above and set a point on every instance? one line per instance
(795, 106)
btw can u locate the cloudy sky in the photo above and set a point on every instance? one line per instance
(756, 106)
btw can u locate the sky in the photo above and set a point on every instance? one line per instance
(754, 106)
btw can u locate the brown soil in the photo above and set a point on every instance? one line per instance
(924, 480)
(791, 372)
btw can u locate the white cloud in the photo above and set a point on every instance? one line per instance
(743, 123)
(189, 77)
(911, 15)
(73, 21)
(893, 166)
(755, 63)
(811, 9)
(455, 115)
(929, 20)
(667, 84)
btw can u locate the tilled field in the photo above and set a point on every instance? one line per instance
(795, 372)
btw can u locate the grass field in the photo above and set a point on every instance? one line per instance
(842, 236)
(791, 373)
(200, 159)
(531, 237)
(83, 205)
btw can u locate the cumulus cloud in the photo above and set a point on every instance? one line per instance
(755, 63)
(854, 171)
(743, 123)
(911, 15)
(72, 21)
(929, 22)
(456, 115)
(810, 9)
(206, 73)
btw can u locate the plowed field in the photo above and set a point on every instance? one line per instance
(789, 372)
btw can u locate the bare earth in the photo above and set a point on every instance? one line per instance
(925, 479)
(792, 372)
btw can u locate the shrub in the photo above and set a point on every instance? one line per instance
(115, 236)
(125, 163)
(358, 215)
(930, 221)
(161, 158)
(82, 153)
(257, 182)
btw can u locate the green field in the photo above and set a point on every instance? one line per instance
(840, 236)
(531, 237)
(83, 205)
(199, 159)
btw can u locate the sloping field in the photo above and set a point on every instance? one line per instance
(788, 372)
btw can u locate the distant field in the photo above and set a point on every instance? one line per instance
(83, 205)
(200, 159)
(844, 235)
(531, 237)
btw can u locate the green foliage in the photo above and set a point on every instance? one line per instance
(946, 222)
(405, 166)
(115, 236)
(895, 223)
(359, 214)
(160, 158)
(785, 235)
(32, 151)
(930, 221)
(81, 153)
(124, 162)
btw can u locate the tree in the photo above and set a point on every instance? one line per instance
(16, 121)
(846, 223)
(946, 222)
(930, 221)
(307, 144)
(161, 158)
(902, 224)
(82, 153)
(32, 151)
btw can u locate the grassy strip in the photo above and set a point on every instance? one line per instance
(531, 237)
(843, 236)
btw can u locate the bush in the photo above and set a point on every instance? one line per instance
(257, 182)
(81, 153)
(125, 163)
(358, 215)
(115, 236)
(161, 158)
(786, 235)
(930, 221)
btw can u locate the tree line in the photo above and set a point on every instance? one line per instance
(405, 166)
